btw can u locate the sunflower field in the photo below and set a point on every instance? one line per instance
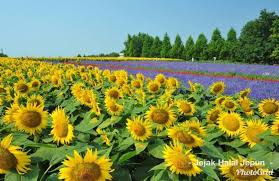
(80, 123)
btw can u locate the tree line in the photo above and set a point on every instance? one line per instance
(258, 42)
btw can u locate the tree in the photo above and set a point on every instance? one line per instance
(177, 49)
(274, 39)
(254, 40)
(200, 47)
(215, 45)
(156, 47)
(230, 46)
(166, 47)
(146, 48)
(189, 49)
(126, 45)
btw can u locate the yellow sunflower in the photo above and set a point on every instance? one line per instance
(9, 114)
(213, 115)
(269, 107)
(220, 100)
(113, 107)
(31, 119)
(229, 104)
(236, 169)
(37, 100)
(2, 90)
(11, 157)
(160, 78)
(112, 78)
(195, 127)
(21, 87)
(141, 96)
(137, 84)
(186, 108)
(217, 88)
(245, 104)
(35, 84)
(251, 131)
(161, 115)
(192, 86)
(88, 168)
(181, 161)
(153, 87)
(244, 93)
(230, 123)
(113, 93)
(139, 129)
(172, 83)
(62, 131)
(183, 135)
(140, 76)
(275, 127)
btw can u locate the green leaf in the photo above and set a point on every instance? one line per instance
(208, 170)
(156, 149)
(30, 176)
(127, 156)
(121, 174)
(161, 166)
(87, 123)
(236, 143)
(140, 146)
(211, 150)
(109, 122)
(212, 136)
(53, 177)
(126, 144)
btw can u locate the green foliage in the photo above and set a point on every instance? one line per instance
(200, 48)
(215, 46)
(189, 49)
(156, 47)
(166, 47)
(177, 48)
(274, 38)
(146, 48)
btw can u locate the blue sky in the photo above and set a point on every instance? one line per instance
(68, 27)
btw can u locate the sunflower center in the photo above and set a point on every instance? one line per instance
(270, 107)
(160, 116)
(31, 119)
(154, 87)
(139, 130)
(136, 84)
(87, 172)
(7, 159)
(173, 82)
(231, 123)
(61, 130)
(2, 90)
(214, 116)
(246, 107)
(252, 134)
(185, 137)
(186, 108)
(114, 94)
(183, 162)
(35, 84)
(112, 78)
(161, 79)
(22, 88)
(217, 88)
(229, 104)
(113, 107)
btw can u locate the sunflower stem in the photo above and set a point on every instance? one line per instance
(45, 172)
(36, 138)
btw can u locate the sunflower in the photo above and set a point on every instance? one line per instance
(217, 88)
(172, 83)
(139, 129)
(232, 170)
(184, 135)
(153, 87)
(161, 79)
(269, 107)
(35, 84)
(140, 76)
(19, 99)
(77, 89)
(62, 131)
(230, 123)
(11, 157)
(9, 114)
(2, 90)
(180, 161)
(275, 127)
(21, 87)
(31, 119)
(244, 93)
(137, 84)
(220, 100)
(186, 108)
(113, 93)
(141, 96)
(161, 115)
(37, 100)
(113, 107)
(229, 104)
(195, 127)
(245, 104)
(192, 86)
(251, 131)
(213, 115)
(112, 78)
(88, 168)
